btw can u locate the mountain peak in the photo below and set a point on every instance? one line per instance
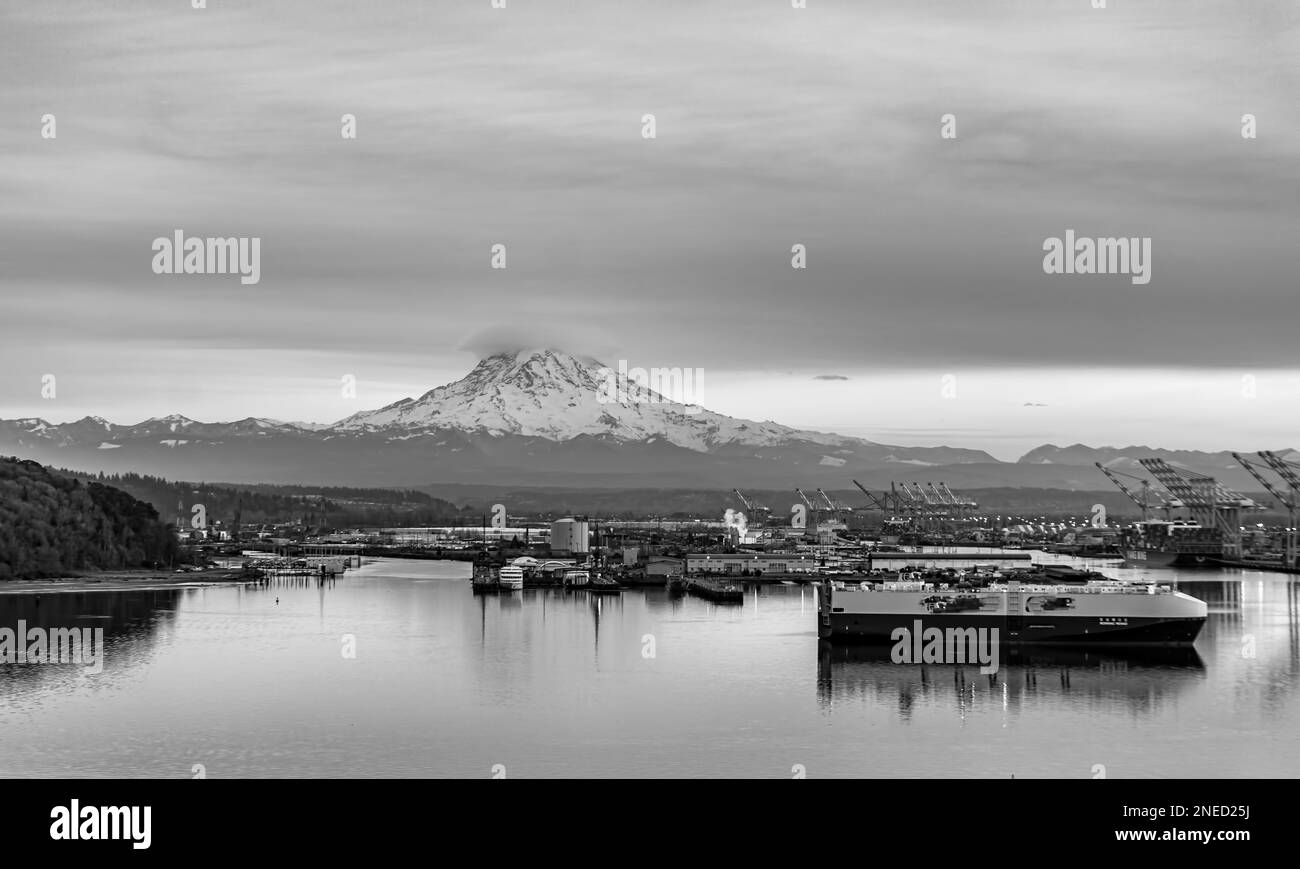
(556, 395)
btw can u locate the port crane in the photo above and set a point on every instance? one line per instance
(1287, 471)
(955, 499)
(1213, 505)
(881, 503)
(834, 506)
(888, 506)
(1288, 501)
(931, 504)
(1167, 502)
(755, 510)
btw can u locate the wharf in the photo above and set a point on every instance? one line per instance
(887, 557)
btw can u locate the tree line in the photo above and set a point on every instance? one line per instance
(52, 525)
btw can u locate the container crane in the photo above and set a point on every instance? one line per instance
(1287, 501)
(1167, 504)
(1213, 505)
(1287, 471)
(833, 505)
(754, 509)
(881, 503)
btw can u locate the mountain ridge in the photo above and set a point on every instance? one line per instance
(543, 417)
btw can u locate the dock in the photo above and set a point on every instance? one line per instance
(888, 557)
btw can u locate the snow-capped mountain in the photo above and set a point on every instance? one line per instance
(539, 418)
(556, 396)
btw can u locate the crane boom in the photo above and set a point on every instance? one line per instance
(939, 497)
(1289, 503)
(922, 495)
(1119, 484)
(879, 502)
(1284, 469)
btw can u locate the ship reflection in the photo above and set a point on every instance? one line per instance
(1140, 679)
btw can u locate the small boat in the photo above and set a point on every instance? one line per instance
(511, 578)
(716, 591)
(577, 578)
(604, 584)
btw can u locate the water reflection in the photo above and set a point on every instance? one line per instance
(134, 623)
(1139, 681)
(553, 682)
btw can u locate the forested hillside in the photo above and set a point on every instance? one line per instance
(320, 506)
(52, 525)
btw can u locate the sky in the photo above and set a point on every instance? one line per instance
(924, 315)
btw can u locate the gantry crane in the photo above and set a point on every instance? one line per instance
(931, 504)
(756, 511)
(881, 503)
(1167, 503)
(1289, 501)
(836, 507)
(1287, 471)
(1213, 505)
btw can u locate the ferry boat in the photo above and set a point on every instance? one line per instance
(1073, 611)
(511, 577)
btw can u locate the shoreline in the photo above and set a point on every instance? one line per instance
(126, 580)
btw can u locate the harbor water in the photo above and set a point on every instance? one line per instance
(399, 669)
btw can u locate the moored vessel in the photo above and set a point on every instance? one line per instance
(511, 578)
(604, 584)
(1171, 544)
(1102, 612)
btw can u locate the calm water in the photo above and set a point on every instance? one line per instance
(553, 684)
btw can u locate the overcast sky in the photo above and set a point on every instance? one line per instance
(775, 126)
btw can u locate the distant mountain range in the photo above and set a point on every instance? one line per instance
(545, 418)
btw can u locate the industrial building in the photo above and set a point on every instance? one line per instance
(742, 562)
(570, 537)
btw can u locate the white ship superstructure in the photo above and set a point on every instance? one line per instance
(1099, 611)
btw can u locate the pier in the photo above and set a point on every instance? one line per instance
(892, 557)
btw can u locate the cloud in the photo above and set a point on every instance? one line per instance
(541, 334)
(830, 377)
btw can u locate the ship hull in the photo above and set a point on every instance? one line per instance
(1032, 615)
(881, 629)
(1158, 558)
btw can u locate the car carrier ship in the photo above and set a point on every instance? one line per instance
(1039, 606)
